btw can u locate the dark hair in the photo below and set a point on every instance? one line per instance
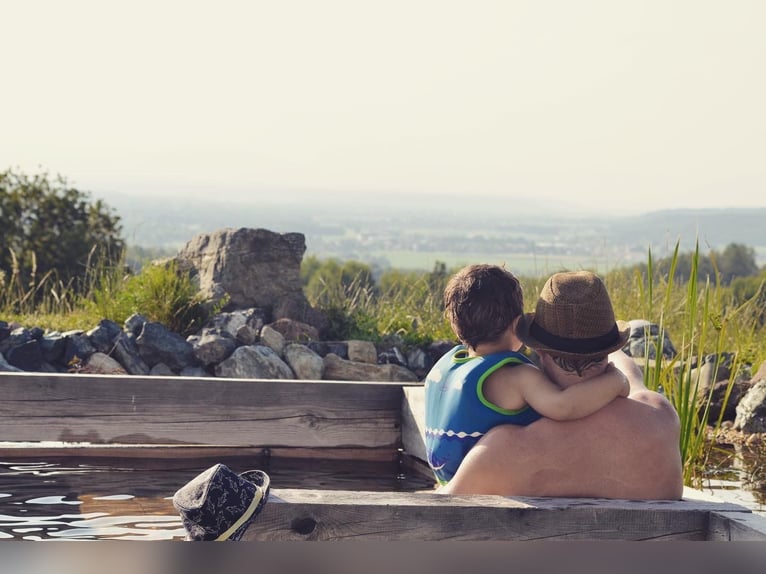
(481, 302)
(576, 365)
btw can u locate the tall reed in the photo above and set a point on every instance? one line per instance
(701, 316)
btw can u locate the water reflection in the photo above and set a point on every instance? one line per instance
(738, 473)
(56, 500)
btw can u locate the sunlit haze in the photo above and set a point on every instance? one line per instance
(596, 105)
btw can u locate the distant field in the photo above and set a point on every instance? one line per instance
(522, 264)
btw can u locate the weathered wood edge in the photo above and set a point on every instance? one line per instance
(736, 526)
(296, 514)
(22, 451)
(116, 409)
(413, 422)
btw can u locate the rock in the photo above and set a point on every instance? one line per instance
(305, 363)
(157, 344)
(419, 362)
(78, 348)
(36, 333)
(323, 348)
(211, 348)
(134, 324)
(644, 340)
(362, 352)
(161, 370)
(273, 339)
(26, 356)
(246, 335)
(52, 346)
(751, 410)
(393, 357)
(254, 362)
(713, 369)
(738, 389)
(7, 367)
(244, 323)
(126, 352)
(337, 369)
(103, 336)
(15, 338)
(194, 372)
(102, 364)
(295, 331)
(253, 267)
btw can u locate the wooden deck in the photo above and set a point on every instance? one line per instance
(169, 418)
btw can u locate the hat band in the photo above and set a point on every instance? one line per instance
(245, 516)
(576, 346)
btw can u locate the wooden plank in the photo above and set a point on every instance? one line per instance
(414, 422)
(736, 526)
(154, 452)
(293, 514)
(103, 409)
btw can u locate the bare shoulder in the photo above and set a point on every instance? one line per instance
(504, 387)
(516, 374)
(652, 399)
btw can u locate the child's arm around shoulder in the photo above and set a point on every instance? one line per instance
(576, 401)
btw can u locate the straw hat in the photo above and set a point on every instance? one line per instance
(574, 318)
(219, 504)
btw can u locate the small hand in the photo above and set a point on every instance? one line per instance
(625, 390)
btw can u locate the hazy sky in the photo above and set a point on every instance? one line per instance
(645, 104)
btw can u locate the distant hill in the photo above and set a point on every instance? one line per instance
(376, 228)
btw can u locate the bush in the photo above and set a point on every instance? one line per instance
(159, 292)
(51, 230)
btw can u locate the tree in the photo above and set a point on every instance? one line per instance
(737, 260)
(50, 227)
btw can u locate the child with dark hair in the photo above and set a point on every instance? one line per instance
(486, 381)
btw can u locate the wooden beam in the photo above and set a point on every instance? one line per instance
(164, 453)
(414, 422)
(293, 514)
(108, 409)
(736, 526)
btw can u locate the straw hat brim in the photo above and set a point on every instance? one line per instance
(522, 331)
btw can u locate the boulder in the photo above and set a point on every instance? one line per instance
(158, 344)
(295, 331)
(254, 362)
(252, 268)
(362, 352)
(7, 367)
(644, 341)
(751, 410)
(337, 369)
(305, 363)
(273, 339)
(102, 364)
(242, 324)
(103, 336)
(212, 347)
(126, 352)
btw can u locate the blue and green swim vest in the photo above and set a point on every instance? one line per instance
(457, 413)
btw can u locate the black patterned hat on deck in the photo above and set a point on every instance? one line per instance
(219, 504)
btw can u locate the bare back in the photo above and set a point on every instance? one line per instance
(628, 449)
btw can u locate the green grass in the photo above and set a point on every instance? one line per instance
(159, 292)
(522, 264)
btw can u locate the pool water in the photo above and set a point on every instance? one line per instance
(132, 500)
